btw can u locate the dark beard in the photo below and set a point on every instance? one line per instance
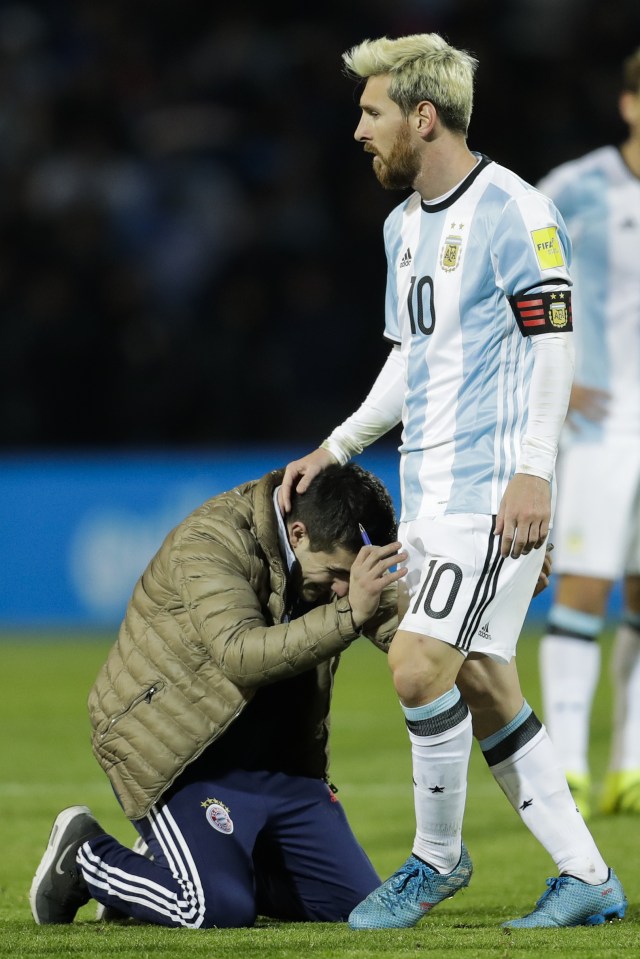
(401, 168)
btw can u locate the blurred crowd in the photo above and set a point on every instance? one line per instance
(191, 242)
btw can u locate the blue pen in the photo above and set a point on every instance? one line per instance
(363, 533)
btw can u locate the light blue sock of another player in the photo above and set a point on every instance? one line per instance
(625, 678)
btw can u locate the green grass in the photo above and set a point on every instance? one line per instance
(46, 764)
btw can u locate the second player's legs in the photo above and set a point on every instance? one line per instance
(598, 512)
(570, 666)
(622, 783)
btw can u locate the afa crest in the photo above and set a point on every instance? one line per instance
(558, 315)
(450, 259)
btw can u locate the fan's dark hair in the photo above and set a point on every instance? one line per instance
(337, 500)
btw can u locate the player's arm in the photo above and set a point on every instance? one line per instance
(588, 402)
(545, 573)
(525, 511)
(380, 412)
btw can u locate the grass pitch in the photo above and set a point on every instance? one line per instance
(47, 764)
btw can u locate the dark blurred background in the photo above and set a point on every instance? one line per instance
(191, 241)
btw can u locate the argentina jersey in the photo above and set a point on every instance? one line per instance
(599, 198)
(452, 266)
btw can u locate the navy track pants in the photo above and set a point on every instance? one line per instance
(230, 848)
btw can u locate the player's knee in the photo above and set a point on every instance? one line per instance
(632, 593)
(420, 671)
(587, 594)
(416, 681)
(412, 688)
(231, 909)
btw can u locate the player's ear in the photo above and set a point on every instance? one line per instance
(629, 104)
(425, 118)
(297, 532)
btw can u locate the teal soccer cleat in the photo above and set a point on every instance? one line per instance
(572, 902)
(409, 894)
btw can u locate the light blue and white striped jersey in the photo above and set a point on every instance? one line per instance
(452, 265)
(599, 198)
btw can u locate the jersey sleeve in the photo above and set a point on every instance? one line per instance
(532, 252)
(380, 412)
(530, 245)
(391, 324)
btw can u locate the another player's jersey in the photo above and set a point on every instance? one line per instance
(599, 198)
(452, 267)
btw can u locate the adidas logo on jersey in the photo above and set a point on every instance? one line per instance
(484, 633)
(406, 258)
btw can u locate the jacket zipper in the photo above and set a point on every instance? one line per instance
(144, 697)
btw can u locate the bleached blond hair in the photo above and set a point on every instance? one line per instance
(422, 66)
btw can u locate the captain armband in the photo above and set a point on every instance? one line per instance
(543, 312)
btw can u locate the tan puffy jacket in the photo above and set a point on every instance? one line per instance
(202, 632)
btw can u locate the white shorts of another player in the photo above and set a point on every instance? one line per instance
(597, 530)
(460, 590)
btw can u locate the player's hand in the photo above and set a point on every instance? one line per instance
(524, 515)
(545, 572)
(299, 473)
(370, 573)
(590, 403)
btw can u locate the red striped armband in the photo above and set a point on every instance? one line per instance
(543, 312)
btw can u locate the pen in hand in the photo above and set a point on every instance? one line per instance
(363, 533)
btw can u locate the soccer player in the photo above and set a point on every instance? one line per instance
(211, 715)
(598, 530)
(478, 315)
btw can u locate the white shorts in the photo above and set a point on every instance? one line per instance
(460, 590)
(597, 529)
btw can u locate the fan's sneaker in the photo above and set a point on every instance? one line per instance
(572, 902)
(621, 793)
(580, 786)
(409, 894)
(110, 913)
(58, 889)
